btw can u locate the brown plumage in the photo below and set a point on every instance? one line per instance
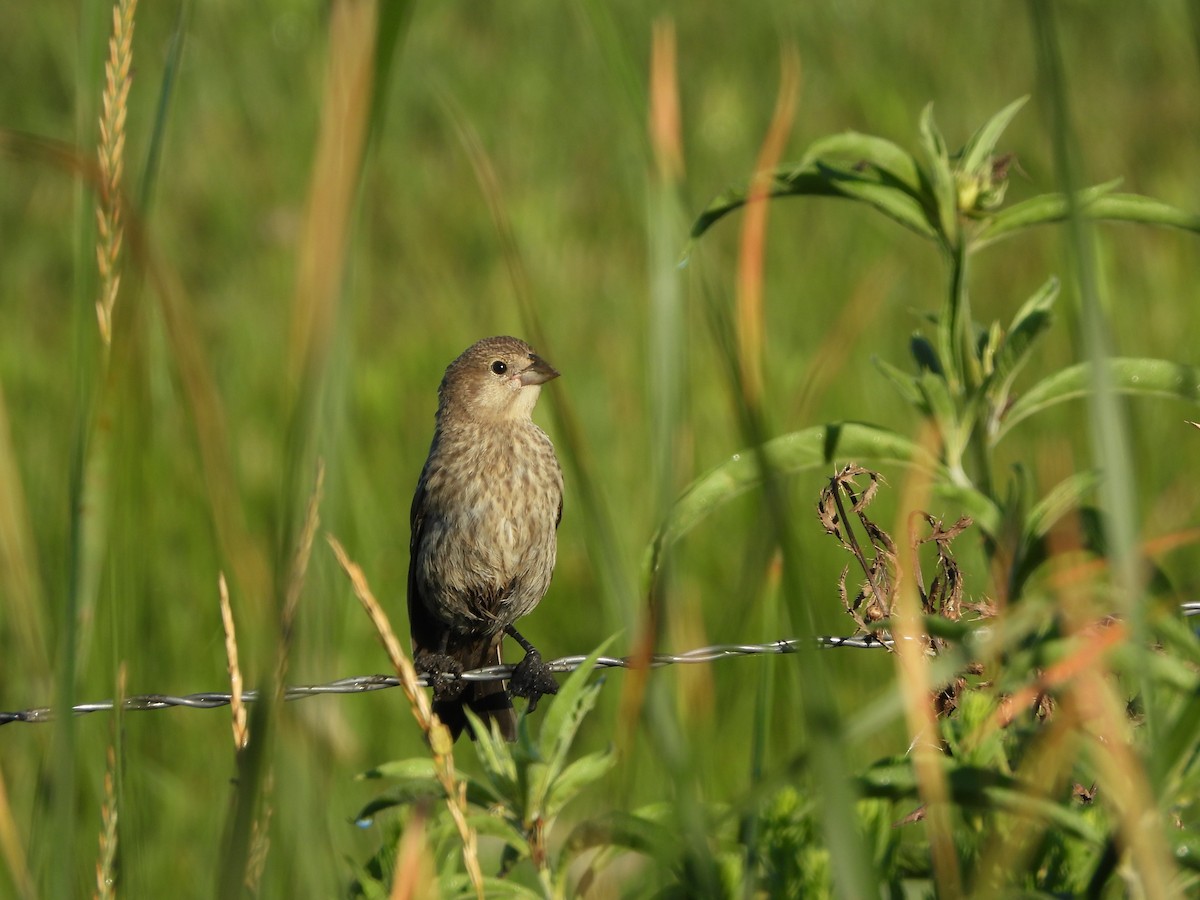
(484, 518)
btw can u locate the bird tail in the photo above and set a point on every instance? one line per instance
(489, 700)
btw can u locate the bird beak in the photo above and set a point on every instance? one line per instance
(538, 371)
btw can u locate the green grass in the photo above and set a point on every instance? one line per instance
(556, 98)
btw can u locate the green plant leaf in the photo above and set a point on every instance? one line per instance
(894, 202)
(861, 151)
(502, 827)
(416, 778)
(496, 758)
(417, 768)
(459, 887)
(937, 399)
(940, 178)
(982, 509)
(1062, 498)
(1136, 376)
(630, 831)
(979, 788)
(575, 777)
(1043, 209)
(571, 705)
(1101, 206)
(784, 183)
(982, 145)
(400, 797)
(953, 424)
(1031, 320)
(906, 384)
(924, 354)
(1141, 210)
(851, 165)
(810, 448)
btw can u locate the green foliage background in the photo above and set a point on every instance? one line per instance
(556, 94)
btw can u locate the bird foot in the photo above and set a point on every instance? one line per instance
(441, 671)
(532, 679)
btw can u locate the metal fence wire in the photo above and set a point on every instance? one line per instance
(364, 683)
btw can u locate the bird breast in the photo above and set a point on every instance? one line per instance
(487, 548)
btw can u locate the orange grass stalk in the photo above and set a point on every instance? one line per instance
(345, 111)
(750, 332)
(915, 683)
(110, 228)
(664, 119)
(438, 736)
(413, 879)
(1123, 779)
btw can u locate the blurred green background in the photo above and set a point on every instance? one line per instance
(556, 94)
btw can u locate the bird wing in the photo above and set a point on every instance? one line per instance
(422, 626)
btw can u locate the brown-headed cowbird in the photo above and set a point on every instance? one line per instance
(484, 518)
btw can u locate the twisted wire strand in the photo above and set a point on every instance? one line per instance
(364, 683)
(361, 684)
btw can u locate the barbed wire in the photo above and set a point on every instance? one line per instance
(362, 684)
(365, 683)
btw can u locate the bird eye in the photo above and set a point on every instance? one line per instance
(499, 367)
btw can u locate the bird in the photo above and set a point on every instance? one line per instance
(484, 523)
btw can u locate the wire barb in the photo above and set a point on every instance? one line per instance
(364, 683)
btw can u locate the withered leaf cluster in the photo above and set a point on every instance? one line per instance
(873, 601)
(845, 499)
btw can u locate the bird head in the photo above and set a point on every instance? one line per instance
(496, 379)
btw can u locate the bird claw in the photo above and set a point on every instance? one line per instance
(441, 671)
(532, 679)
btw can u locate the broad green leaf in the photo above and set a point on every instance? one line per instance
(816, 447)
(894, 202)
(940, 177)
(1143, 211)
(870, 159)
(418, 768)
(1145, 377)
(575, 777)
(574, 700)
(982, 145)
(860, 150)
(1043, 209)
(1102, 206)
